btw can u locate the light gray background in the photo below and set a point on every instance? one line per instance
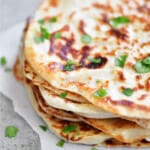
(26, 138)
(11, 13)
(15, 11)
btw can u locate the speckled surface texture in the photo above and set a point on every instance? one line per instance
(26, 138)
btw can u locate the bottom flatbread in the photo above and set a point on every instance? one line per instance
(84, 134)
(121, 129)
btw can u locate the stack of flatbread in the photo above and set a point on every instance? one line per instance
(86, 66)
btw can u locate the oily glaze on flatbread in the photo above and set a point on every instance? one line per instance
(76, 18)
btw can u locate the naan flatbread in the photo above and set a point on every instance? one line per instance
(87, 32)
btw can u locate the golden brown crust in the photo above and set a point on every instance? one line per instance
(17, 71)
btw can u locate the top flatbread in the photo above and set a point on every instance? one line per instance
(77, 18)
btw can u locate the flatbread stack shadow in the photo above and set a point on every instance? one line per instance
(86, 67)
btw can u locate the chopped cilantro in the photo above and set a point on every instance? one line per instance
(54, 19)
(38, 39)
(114, 22)
(11, 131)
(146, 61)
(43, 127)
(68, 68)
(69, 65)
(63, 95)
(101, 93)
(41, 21)
(128, 91)
(45, 33)
(70, 62)
(142, 66)
(7, 69)
(57, 35)
(3, 61)
(60, 143)
(94, 60)
(97, 81)
(85, 38)
(121, 61)
(70, 128)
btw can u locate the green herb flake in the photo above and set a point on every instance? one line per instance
(114, 22)
(121, 61)
(70, 62)
(94, 60)
(142, 67)
(54, 19)
(45, 33)
(128, 91)
(11, 131)
(146, 61)
(86, 39)
(57, 35)
(41, 21)
(38, 40)
(68, 68)
(97, 81)
(101, 93)
(3, 61)
(70, 128)
(69, 65)
(43, 127)
(94, 148)
(63, 95)
(7, 69)
(60, 143)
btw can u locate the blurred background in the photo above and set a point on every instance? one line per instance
(15, 11)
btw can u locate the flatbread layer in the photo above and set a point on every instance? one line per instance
(19, 76)
(58, 113)
(37, 80)
(85, 134)
(109, 126)
(84, 109)
(88, 32)
(121, 129)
